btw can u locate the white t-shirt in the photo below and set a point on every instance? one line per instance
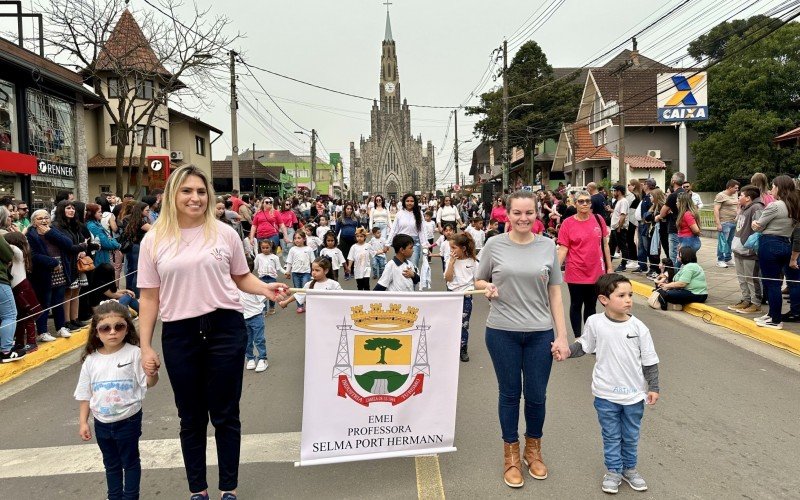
(196, 279)
(322, 231)
(478, 236)
(336, 256)
(620, 208)
(463, 275)
(378, 245)
(430, 228)
(299, 259)
(319, 285)
(360, 255)
(253, 304)
(444, 248)
(313, 242)
(268, 265)
(622, 349)
(113, 384)
(393, 279)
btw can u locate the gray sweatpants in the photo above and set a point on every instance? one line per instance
(748, 274)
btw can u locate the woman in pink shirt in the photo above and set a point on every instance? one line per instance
(267, 225)
(289, 219)
(688, 223)
(499, 214)
(191, 268)
(583, 245)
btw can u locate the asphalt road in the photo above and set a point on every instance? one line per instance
(725, 427)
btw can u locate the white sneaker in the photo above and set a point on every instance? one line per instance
(721, 264)
(262, 365)
(45, 337)
(64, 332)
(251, 363)
(763, 318)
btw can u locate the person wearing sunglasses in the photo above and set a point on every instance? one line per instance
(268, 225)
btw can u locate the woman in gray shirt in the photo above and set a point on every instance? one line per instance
(522, 277)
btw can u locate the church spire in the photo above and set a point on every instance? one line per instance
(388, 36)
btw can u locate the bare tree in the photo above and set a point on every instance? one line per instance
(161, 58)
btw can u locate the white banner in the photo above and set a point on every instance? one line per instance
(381, 375)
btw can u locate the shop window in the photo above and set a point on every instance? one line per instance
(200, 145)
(8, 118)
(51, 128)
(163, 132)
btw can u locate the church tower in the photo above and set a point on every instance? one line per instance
(391, 161)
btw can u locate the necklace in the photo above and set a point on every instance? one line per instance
(187, 243)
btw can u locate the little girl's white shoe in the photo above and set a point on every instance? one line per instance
(251, 364)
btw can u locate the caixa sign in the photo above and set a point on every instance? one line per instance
(55, 169)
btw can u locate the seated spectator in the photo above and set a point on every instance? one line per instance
(689, 284)
(104, 287)
(666, 271)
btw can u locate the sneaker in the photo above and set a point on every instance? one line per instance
(639, 271)
(199, 496)
(63, 332)
(791, 318)
(464, 356)
(751, 309)
(634, 479)
(611, 482)
(301, 310)
(45, 337)
(73, 326)
(739, 305)
(251, 364)
(14, 354)
(721, 264)
(272, 311)
(771, 324)
(652, 276)
(617, 255)
(620, 269)
(631, 266)
(228, 496)
(761, 319)
(29, 348)
(262, 365)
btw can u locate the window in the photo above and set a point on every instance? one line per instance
(8, 118)
(51, 128)
(113, 87)
(200, 145)
(163, 138)
(105, 188)
(144, 89)
(415, 180)
(149, 139)
(368, 181)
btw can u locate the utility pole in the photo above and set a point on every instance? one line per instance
(455, 148)
(234, 132)
(505, 116)
(255, 191)
(313, 162)
(634, 61)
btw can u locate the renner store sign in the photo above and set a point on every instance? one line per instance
(682, 97)
(55, 169)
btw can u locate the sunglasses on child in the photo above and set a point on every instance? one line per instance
(117, 327)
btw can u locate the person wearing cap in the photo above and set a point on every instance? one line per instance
(619, 225)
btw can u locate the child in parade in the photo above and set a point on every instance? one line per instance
(460, 277)
(312, 240)
(444, 245)
(333, 253)
(399, 275)
(379, 248)
(321, 279)
(298, 262)
(358, 260)
(28, 306)
(430, 228)
(256, 350)
(323, 227)
(476, 231)
(625, 375)
(111, 386)
(266, 267)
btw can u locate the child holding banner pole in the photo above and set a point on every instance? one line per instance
(460, 277)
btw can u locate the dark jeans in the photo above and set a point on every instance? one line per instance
(119, 443)
(132, 269)
(204, 357)
(522, 362)
(643, 250)
(582, 304)
(362, 283)
(269, 279)
(466, 314)
(679, 296)
(792, 280)
(619, 239)
(774, 253)
(345, 242)
(630, 243)
(47, 298)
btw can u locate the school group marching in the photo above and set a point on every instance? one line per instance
(213, 272)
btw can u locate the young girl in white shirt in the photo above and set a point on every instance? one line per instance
(358, 259)
(460, 277)
(266, 267)
(321, 279)
(323, 227)
(298, 262)
(332, 252)
(312, 240)
(111, 386)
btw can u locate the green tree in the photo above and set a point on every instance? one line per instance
(554, 101)
(382, 343)
(712, 45)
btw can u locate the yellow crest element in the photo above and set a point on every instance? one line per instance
(380, 320)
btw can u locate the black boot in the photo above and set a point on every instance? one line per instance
(464, 355)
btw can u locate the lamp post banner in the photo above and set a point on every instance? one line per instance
(381, 375)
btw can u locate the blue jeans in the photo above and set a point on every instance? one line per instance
(51, 297)
(300, 279)
(522, 362)
(284, 245)
(132, 269)
(643, 251)
(619, 425)
(728, 231)
(466, 313)
(417, 252)
(255, 337)
(690, 241)
(378, 265)
(8, 317)
(673, 250)
(119, 443)
(269, 279)
(774, 253)
(127, 300)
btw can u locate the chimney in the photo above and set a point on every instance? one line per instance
(635, 53)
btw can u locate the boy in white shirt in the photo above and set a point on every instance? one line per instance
(254, 321)
(379, 249)
(444, 245)
(313, 241)
(400, 275)
(476, 231)
(625, 376)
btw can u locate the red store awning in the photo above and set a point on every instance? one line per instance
(18, 162)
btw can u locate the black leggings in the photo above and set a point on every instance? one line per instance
(362, 283)
(582, 299)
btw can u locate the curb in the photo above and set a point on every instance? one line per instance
(778, 338)
(47, 351)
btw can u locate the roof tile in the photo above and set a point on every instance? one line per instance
(127, 47)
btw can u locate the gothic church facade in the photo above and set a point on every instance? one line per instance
(391, 161)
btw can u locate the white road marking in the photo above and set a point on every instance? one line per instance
(156, 454)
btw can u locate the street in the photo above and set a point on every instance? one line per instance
(724, 427)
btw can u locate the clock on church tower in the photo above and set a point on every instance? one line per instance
(389, 87)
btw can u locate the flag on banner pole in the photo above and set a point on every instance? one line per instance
(381, 375)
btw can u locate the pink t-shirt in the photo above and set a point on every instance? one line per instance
(197, 279)
(585, 262)
(499, 214)
(267, 223)
(685, 225)
(289, 218)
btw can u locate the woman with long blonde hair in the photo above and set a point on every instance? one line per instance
(688, 223)
(191, 269)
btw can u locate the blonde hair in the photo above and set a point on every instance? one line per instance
(166, 227)
(361, 232)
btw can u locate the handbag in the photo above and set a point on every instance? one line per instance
(652, 300)
(85, 264)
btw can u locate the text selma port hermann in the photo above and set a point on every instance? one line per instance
(377, 442)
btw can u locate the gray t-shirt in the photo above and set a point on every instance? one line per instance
(522, 275)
